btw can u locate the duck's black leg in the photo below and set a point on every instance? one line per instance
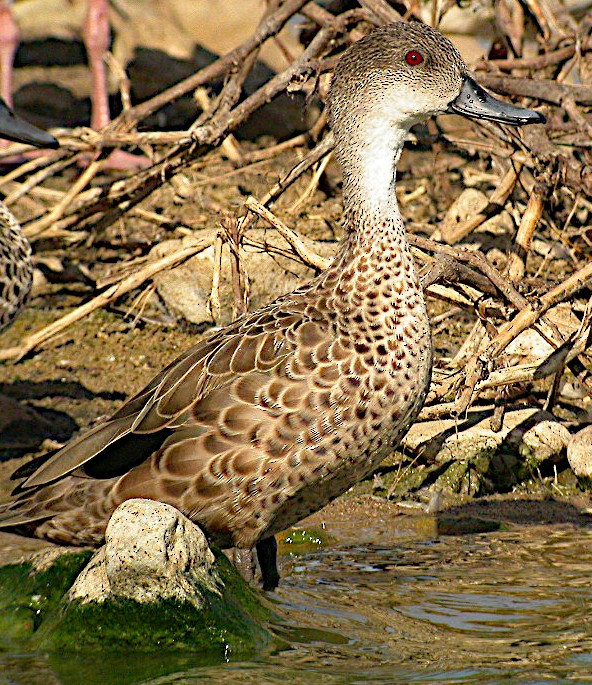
(267, 557)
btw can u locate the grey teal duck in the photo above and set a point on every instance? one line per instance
(283, 410)
(16, 268)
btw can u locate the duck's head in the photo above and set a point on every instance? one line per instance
(405, 72)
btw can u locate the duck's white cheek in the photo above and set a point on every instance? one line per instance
(415, 105)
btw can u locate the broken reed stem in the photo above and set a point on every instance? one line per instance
(498, 199)
(540, 89)
(530, 219)
(36, 228)
(537, 63)
(308, 256)
(232, 233)
(532, 313)
(317, 153)
(214, 302)
(18, 190)
(39, 167)
(382, 10)
(312, 185)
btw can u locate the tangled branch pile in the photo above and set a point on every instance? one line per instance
(500, 264)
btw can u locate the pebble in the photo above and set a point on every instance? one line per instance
(579, 452)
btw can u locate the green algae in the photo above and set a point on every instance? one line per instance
(36, 614)
(29, 595)
(303, 540)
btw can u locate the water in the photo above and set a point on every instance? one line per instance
(394, 602)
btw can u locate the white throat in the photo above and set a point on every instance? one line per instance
(369, 162)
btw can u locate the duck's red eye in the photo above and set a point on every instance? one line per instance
(413, 58)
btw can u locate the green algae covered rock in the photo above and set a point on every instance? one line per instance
(33, 590)
(227, 623)
(154, 584)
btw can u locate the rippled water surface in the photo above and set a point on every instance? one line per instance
(389, 601)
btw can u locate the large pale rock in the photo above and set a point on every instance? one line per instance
(155, 584)
(543, 441)
(186, 289)
(579, 452)
(151, 553)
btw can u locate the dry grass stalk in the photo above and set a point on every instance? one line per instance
(530, 219)
(308, 256)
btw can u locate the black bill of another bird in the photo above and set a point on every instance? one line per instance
(13, 127)
(475, 102)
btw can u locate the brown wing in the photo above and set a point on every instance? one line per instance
(256, 343)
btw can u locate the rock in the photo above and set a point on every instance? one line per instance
(186, 289)
(467, 205)
(472, 458)
(544, 440)
(32, 589)
(579, 452)
(154, 584)
(470, 202)
(451, 439)
(151, 553)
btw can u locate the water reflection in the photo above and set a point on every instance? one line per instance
(508, 606)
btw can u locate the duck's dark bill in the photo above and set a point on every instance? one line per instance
(477, 103)
(12, 127)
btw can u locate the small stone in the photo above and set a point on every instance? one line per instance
(579, 452)
(469, 203)
(152, 552)
(546, 439)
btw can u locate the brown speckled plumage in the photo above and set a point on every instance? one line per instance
(16, 269)
(285, 409)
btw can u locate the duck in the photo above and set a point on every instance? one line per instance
(283, 410)
(16, 266)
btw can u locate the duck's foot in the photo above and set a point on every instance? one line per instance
(13, 161)
(244, 560)
(118, 160)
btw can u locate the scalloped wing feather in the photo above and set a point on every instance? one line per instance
(164, 402)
